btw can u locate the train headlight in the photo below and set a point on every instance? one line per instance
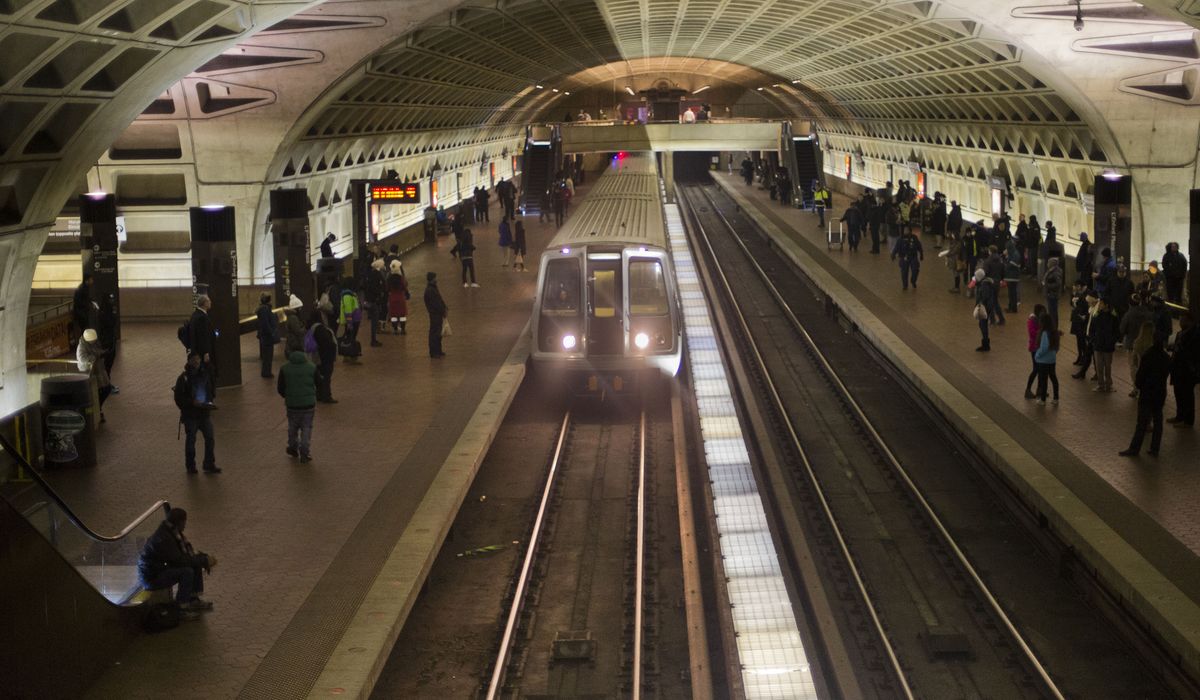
(568, 342)
(642, 341)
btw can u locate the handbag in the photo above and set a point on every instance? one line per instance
(980, 313)
(446, 332)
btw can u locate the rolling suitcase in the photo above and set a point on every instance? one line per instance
(836, 238)
(349, 348)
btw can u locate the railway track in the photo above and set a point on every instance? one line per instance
(862, 477)
(583, 615)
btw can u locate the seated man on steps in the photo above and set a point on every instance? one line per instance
(168, 559)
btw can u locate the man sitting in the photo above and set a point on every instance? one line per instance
(168, 559)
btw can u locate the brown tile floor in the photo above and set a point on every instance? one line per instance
(297, 544)
(1092, 427)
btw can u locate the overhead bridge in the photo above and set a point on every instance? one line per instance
(593, 137)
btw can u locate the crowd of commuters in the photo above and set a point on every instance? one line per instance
(1108, 311)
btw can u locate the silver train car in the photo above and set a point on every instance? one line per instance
(607, 310)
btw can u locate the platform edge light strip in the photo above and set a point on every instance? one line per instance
(772, 656)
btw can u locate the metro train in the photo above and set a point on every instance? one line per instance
(607, 310)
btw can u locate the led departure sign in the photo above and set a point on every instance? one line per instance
(404, 193)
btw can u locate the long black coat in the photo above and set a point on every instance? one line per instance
(163, 551)
(434, 303)
(1151, 379)
(200, 333)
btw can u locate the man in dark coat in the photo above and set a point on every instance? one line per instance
(1151, 383)
(938, 219)
(201, 338)
(853, 218)
(438, 312)
(168, 559)
(326, 341)
(327, 246)
(194, 395)
(954, 219)
(748, 171)
(268, 334)
(1084, 260)
(481, 204)
(1185, 371)
(910, 254)
(1174, 270)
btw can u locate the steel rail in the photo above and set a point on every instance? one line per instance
(530, 552)
(861, 416)
(777, 401)
(638, 565)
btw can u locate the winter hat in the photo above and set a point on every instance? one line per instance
(1083, 236)
(1052, 262)
(396, 267)
(979, 275)
(90, 335)
(430, 276)
(294, 303)
(377, 264)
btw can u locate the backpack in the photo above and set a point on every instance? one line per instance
(324, 304)
(161, 617)
(310, 341)
(185, 334)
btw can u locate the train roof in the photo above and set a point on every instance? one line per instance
(624, 206)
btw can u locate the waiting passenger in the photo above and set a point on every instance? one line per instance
(89, 357)
(1046, 357)
(202, 339)
(1185, 371)
(268, 334)
(322, 347)
(168, 560)
(83, 308)
(985, 303)
(518, 247)
(327, 246)
(398, 295)
(194, 395)
(1032, 330)
(293, 327)
(1151, 382)
(464, 250)
(297, 384)
(1175, 267)
(909, 252)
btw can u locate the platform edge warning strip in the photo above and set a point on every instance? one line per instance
(360, 655)
(1161, 604)
(771, 653)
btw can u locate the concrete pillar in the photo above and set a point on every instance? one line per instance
(291, 247)
(214, 272)
(668, 174)
(19, 253)
(1193, 256)
(98, 245)
(1114, 216)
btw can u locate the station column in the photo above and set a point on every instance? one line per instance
(291, 245)
(1193, 285)
(98, 245)
(214, 272)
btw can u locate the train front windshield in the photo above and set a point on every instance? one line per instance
(561, 324)
(649, 307)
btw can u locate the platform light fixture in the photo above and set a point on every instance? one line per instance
(1111, 174)
(213, 207)
(98, 194)
(629, 90)
(554, 89)
(700, 89)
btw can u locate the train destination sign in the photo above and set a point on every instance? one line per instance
(399, 193)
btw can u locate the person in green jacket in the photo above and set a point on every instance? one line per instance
(297, 384)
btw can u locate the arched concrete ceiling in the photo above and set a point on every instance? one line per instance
(965, 85)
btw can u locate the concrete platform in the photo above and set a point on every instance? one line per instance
(301, 547)
(1132, 521)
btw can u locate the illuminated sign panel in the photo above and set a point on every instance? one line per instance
(405, 193)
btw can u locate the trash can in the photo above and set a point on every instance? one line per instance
(69, 441)
(430, 225)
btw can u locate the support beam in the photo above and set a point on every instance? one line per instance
(710, 136)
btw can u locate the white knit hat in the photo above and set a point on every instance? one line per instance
(397, 266)
(90, 335)
(377, 264)
(294, 303)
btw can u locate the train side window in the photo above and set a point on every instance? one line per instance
(647, 288)
(561, 295)
(604, 293)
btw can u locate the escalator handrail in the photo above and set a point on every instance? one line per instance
(62, 505)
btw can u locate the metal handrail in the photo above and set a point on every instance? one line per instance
(5, 446)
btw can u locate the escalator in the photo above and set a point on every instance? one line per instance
(69, 597)
(801, 155)
(543, 153)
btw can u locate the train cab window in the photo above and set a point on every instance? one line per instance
(647, 288)
(561, 295)
(604, 293)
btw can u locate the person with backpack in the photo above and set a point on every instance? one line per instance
(168, 560)
(194, 395)
(349, 318)
(297, 384)
(268, 334)
(398, 294)
(321, 346)
(464, 250)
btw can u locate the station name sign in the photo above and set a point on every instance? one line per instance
(395, 193)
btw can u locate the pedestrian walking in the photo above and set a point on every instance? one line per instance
(297, 384)
(505, 241)
(268, 334)
(985, 303)
(1103, 333)
(438, 313)
(519, 247)
(909, 252)
(1033, 327)
(1151, 382)
(194, 395)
